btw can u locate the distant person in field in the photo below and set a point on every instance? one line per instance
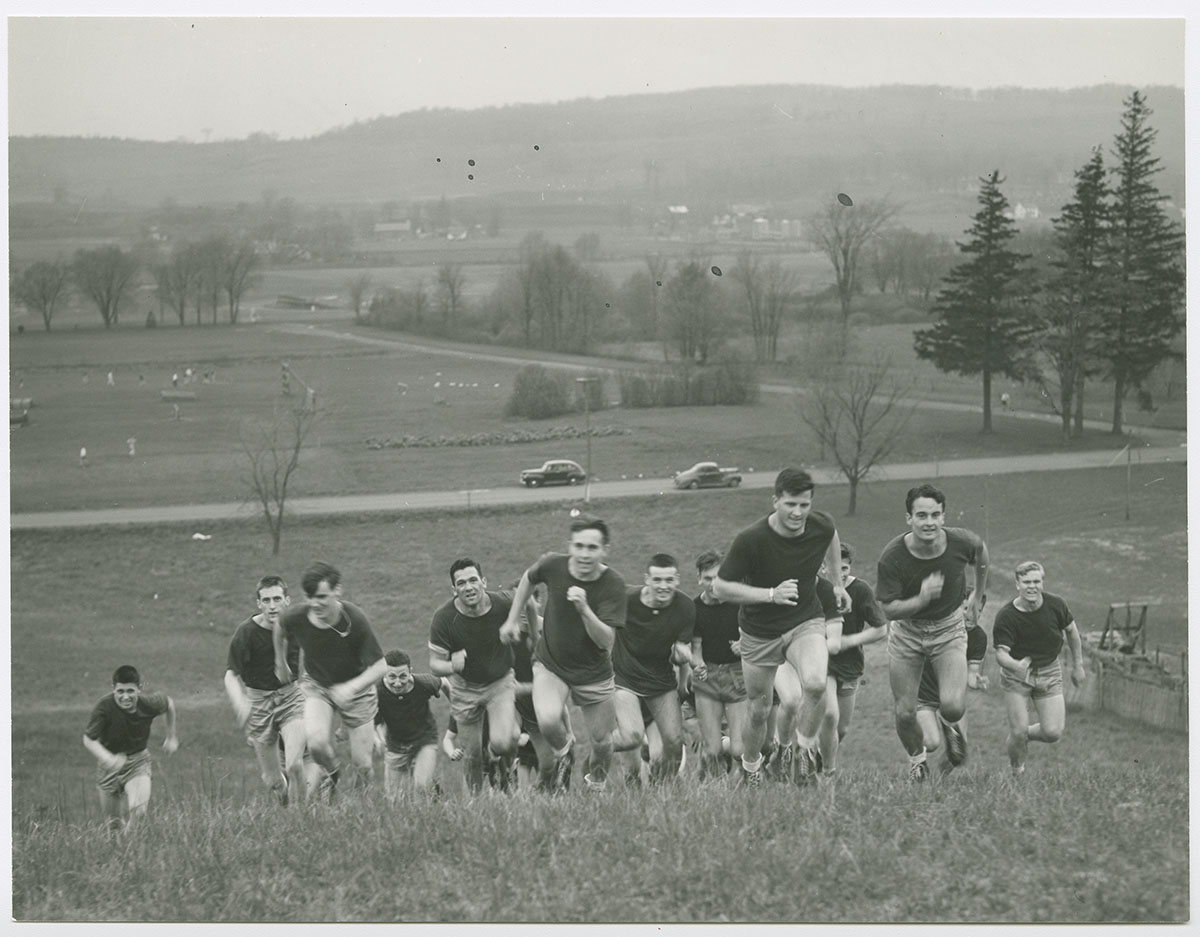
(342, 663)
(116, 736)
(465, 647)
(405, 726)
(864, 624)
(922, 587)
(265, 708)
(717, 672)
(659, 621)
(927, 694)
(585, 606)
(1028, 633)
(771, 571)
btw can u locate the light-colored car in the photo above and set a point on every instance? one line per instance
(707, 475)
(554, 472)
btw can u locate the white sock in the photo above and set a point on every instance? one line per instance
(918, 758)
(751, 767)
(806, 741)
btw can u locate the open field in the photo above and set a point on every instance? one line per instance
(198, 458)
(1102, 815)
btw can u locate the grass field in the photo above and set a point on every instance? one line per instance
(1096, 832)
(198, 458)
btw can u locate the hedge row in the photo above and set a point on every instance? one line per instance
(513, 437)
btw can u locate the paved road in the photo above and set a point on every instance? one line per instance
(640, 487)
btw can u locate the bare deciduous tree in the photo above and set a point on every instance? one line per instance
(272, 449)
(103, 275)
(450, 280)
(40, 286)
(357, 287)
(769, 288)
(856, 419)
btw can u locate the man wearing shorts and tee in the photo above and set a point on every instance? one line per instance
(717, 671)
(922, 587)
(771, 571)
(266, 709)
(465, 648)
(659, 621)
(1028, 634)
(927, 694)
(404, 724)
(863, 624)
(585, 605)
(116, 736)
(342, 663)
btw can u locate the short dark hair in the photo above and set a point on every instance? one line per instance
(847, 552)
(793, 481)
(924, 491)
(397, 658)
(663, 561)
(586, 522)
(127, 673)
(464, 563)
(706, 559)
(270, 582)
(318, 573)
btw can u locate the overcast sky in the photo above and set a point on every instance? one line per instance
(218, 78)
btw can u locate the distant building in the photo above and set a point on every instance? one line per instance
(388, 229)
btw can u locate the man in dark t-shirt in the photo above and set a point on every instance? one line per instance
(771, 571)
(1028, 634)
(342, 664)
(922, 587)
(404, 724)
(116, 736)
(266, 709)
(585, 605)
(659, 621)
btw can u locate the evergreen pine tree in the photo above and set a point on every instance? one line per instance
(1145, 260)
(984, 326)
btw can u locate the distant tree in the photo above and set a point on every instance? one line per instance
(1076, 293)
(103, 275)
(1145, 259)
(237, 274)
(982, 326)
(693, 311)
(357, 287)
(531, 248)
(768, 289)
(41, 286)
(272, 450)
(210, 281)
(656, 268)
(176, 279)
(856, 419)
(450, 281)
(841, 232)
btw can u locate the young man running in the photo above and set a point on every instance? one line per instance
(1028, 633)
(922, 587)
(659, 621)
(927, 695)
(771, 571)
(585, 606)
(404, 725)
(116, 736)
(266, 709)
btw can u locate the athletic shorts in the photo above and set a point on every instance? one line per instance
(772, 652)
(136, 765)
(723, 683)
(403, 760)
(361, 710)
(527, 755)
(916, 641)
(1044, 682)
(583, 694)
(469, 701)
(846, 687)
(271, 710)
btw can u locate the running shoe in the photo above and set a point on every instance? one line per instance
(808, 765)
(562, 771)
(918, 772)
(752, 779)
(956, 741)
(281, 789)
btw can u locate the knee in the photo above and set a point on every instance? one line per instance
(906, 711)
(931, 740)
(953, 710)
(1051, 733)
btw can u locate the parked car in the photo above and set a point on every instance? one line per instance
(554, 472)
(707, 475)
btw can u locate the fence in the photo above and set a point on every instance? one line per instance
(1149, 688)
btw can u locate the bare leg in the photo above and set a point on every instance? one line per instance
(137, 796)
(1018, 730)
(424, 768)
(470, 740)
(829, 735)
(601, 719)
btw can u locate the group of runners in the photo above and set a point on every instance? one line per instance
(768, 654)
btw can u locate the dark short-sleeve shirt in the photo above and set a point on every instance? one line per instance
(333, 655)
(121, 732)
(564, 647)
(641, 655)
(864, 613)
(408, 718)
(900, 574)
(252, 656)
(1037, 634)
(761, 557)
(717, 626)
(488, 658)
